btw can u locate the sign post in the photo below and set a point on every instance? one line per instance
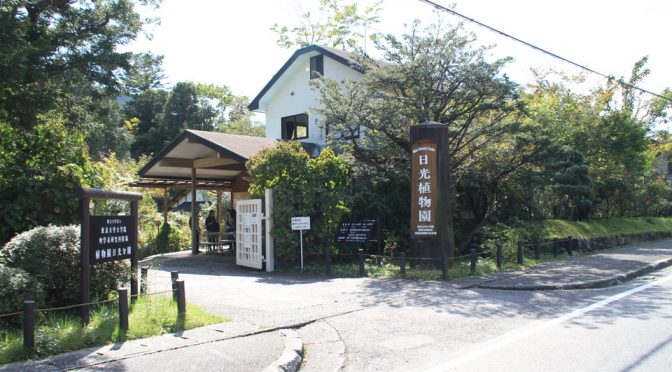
(431, 215)
(301, 223)
(106, 238)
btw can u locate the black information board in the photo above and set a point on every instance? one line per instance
(355, 231)
(112, 238)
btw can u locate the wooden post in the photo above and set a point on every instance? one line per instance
(134, 250)
(181, 298)
(165, 205)
(327, 261)
(29, 326)
(537, 251)
(174, 276)
(123, 309)
(500, 257)
(194, 214)
(402, 264)
(431, 210)
(143, 279)
(570, 248)
(472, 258)
(521, 253)
(361, 262)
(85, 262)
(555, 247)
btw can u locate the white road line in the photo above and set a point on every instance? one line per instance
(519, 334)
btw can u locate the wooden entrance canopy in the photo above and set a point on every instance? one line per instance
(203, 160)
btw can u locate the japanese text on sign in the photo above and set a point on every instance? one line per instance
(112, 238)
(424, 183)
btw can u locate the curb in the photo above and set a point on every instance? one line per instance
(292, 356)
(590, 284)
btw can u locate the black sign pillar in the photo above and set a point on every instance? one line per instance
(106, 238)
(431, 215)
(85, 275)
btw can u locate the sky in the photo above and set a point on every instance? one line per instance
(227, 42)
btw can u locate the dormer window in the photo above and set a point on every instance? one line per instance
(295, 127)
(316, 66)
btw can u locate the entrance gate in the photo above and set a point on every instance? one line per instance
(248, 234)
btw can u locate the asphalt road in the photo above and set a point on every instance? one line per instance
(360, 324)
(626, 331)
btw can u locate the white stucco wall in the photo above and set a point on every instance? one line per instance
(295, 96)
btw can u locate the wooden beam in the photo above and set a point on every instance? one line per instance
(196, 163)
(213, 162)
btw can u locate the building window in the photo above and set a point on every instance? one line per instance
(295, 127)
(316, 67)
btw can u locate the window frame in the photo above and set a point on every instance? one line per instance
(284, 121)
(316, 66)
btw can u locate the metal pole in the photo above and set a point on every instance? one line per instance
(301, 239)
(123, 309)
(29, 325)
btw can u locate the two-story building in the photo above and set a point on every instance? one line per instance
(289, 101)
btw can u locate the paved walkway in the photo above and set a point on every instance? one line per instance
(263, 306)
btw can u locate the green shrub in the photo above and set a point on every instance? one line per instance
(52, 256)
(169, 239)
(302, 186)
(17, 286)
(508, 235)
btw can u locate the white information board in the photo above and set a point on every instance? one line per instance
(300, 223)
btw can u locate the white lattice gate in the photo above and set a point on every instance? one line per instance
(248, 234)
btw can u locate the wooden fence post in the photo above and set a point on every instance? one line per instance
(29, 326)
(521, 253)
(123, 309)
(402, 264)
(499, 257)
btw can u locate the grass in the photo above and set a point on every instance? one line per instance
(606, 227)
(460, 269)
(60, 332)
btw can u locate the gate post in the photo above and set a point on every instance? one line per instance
(270, 247)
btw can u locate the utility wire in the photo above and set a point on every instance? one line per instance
(585, 68)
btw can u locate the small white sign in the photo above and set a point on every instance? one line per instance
(300, 223)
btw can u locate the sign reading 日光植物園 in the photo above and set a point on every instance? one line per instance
(424, 190)
(112, 238)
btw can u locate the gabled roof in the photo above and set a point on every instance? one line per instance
(346, 58)
(216, 156)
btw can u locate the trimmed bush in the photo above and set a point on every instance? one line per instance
(17, 286)
(51, 255)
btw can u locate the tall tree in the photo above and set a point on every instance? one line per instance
(51, 49)
(431, 74)
(334, 24)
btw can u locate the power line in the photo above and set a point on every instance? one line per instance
(583, 67)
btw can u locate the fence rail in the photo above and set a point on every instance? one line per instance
(29, 308)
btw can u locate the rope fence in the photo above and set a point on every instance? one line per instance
(30, 310)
